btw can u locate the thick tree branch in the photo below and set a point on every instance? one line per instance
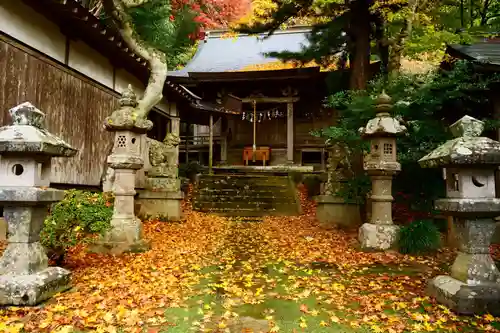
(156, 59)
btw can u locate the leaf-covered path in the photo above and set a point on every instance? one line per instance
(213, 274)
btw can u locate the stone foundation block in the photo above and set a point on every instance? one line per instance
(379, 237)
(332, 211)
(463, 298)
(117, 248)
(164, 205)
(32, 289)
(125, 236)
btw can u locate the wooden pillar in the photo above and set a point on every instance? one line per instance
(496, 116)
(223, 149)
(210, 143)
(289, 133)
(175, 128)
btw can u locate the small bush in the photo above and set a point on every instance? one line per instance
(313, 185)
(77, 219)
(420, 236)
(296, 177)
(189, 170)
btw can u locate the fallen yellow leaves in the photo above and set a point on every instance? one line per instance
(286, 259)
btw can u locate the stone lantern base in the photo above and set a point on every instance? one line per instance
(125, 237)
(334, 211)
(378, 237)
(34, 288)
(463, 298)
(164, 205)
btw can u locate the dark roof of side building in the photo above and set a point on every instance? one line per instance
(485, 53)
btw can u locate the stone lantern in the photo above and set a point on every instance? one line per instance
(470, 162)
(27, 148)
(381, 165)
(126, 158)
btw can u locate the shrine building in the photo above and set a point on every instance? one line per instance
(259, 101)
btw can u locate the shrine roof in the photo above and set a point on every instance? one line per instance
(223, 52)
(484, 53)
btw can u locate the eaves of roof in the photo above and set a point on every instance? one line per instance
(77, 22)
(485, 54)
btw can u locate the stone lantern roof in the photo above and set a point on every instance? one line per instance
(28, 134)
(468, 147)
(383, 124)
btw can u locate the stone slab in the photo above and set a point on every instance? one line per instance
(333, 211)
(34, 288)
(488, 207)
(378, 237)
(146, 194)
(117, 248)
(164, 209)
(30, 195)
(465, 299)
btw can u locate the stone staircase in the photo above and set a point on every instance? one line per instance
(245, 195)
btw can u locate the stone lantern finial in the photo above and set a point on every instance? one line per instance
(383, 104)
(467, 127)
(128, 97)
(27, 114)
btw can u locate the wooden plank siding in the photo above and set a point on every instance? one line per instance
(74, 105)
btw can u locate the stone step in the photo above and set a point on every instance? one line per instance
(256, 186)
(244, 198)
(235, 191)
(247, 219)
(250, 212)
(245, 195)
(245, 180)
(238, 205)
(242, 176)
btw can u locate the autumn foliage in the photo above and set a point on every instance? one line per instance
(204, 273)
(214, 13)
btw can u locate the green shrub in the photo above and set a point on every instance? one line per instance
(189, 170)
(313, 185)
(420, 236)
(77, 219)
(296, 177)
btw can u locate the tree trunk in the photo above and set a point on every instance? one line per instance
(360, 31)
(118, 10)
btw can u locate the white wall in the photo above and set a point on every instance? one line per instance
(21, 22)
(124, 78)
(91, 63)
(26, 25)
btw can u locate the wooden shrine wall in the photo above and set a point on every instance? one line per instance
(75, 108)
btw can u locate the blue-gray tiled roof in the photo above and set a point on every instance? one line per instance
(218, 53)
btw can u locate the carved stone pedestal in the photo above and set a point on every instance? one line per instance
(333, 211)
(126, 232)
(162, 197)
(474, 284)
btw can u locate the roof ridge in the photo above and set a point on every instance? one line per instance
(218, 33)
